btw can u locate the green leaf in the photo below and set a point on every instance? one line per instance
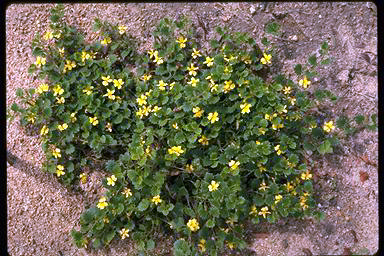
(272, 28)
(109, 236)
(19, 92)
(312, 60)
(325, 147)
(181, 248)
(325, 45)
(210, 223)
(298, 69)
(143, 205)
(150, 244)
(326, 61)
(70, 149)
(359, 119)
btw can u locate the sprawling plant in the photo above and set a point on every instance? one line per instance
(196, 141)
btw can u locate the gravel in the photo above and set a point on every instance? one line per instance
(41, 212)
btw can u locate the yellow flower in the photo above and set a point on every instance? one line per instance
(40, 61)
(156, 199)
(181, 40)
(193, 225)
(304, 82)
(56, 152)
(192, 70)
(203, 140)
(152, 53)
(234, 164)
(306, 175)
(60, 100)
(213, 186)
(231, 245)
(107, 40)
(124, 233)
(62, 127)
(213, 86)
(127, 192)
(228, 70)
(245, 108)
(42, 88)
(278, 150)
(44, 130)
(247, 59)
(198, 112)
(228, 86)
(155, 109)
(284, 110)
(73, 117)
(258, 142)
(175, 126)
(175, 150)
(262, 130)
(261, 167)
(88, 90)
(83, 177)
(193, 82)
(146, 77)
(105, 219)
(106, 80)
(189, 167)
(292, 100)
(288, 186)
(110, 94)
(48, 35)
(277, 126)
(118, 83)
(208, 61)
(69, 65)
(278, 198)
(93, 120)
(171, 85)
(85, 56)
(264, 211)
(253, 210)
(287, 90)
(263, 186)
(57, 90)
(61, 52)
(266, 59)
(102, 203)
(159, 60)
(201, 245)
(162, 85)
(60, 170)
(195, 53)
(142, 100)
(213, 117)
(111, 180)
(122, 29)
(328, 126)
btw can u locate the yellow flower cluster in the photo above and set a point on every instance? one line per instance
(198, 112)
(306, 175)
(175, 150)
(86, 56)
(42, 88)
(88, 90)
(203, 140)
(303, 200)
(201, 245)
(62, 127)
(40, 61)
(228, 86)
(118, 83)
(93, 120)
(107, 40)
(304, 82)
(278, 150)
(278, 198)
(60, 170)
(155, 55)
(245, 108)
(44, 130)
(193, 225)
(266, 59)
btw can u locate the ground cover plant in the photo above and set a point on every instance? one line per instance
(196, 141)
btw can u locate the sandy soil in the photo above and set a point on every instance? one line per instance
(41, 212)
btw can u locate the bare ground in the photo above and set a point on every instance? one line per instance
(41, 212)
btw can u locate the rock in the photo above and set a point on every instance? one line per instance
(252, 10)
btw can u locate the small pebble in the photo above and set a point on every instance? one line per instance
(252, 10)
